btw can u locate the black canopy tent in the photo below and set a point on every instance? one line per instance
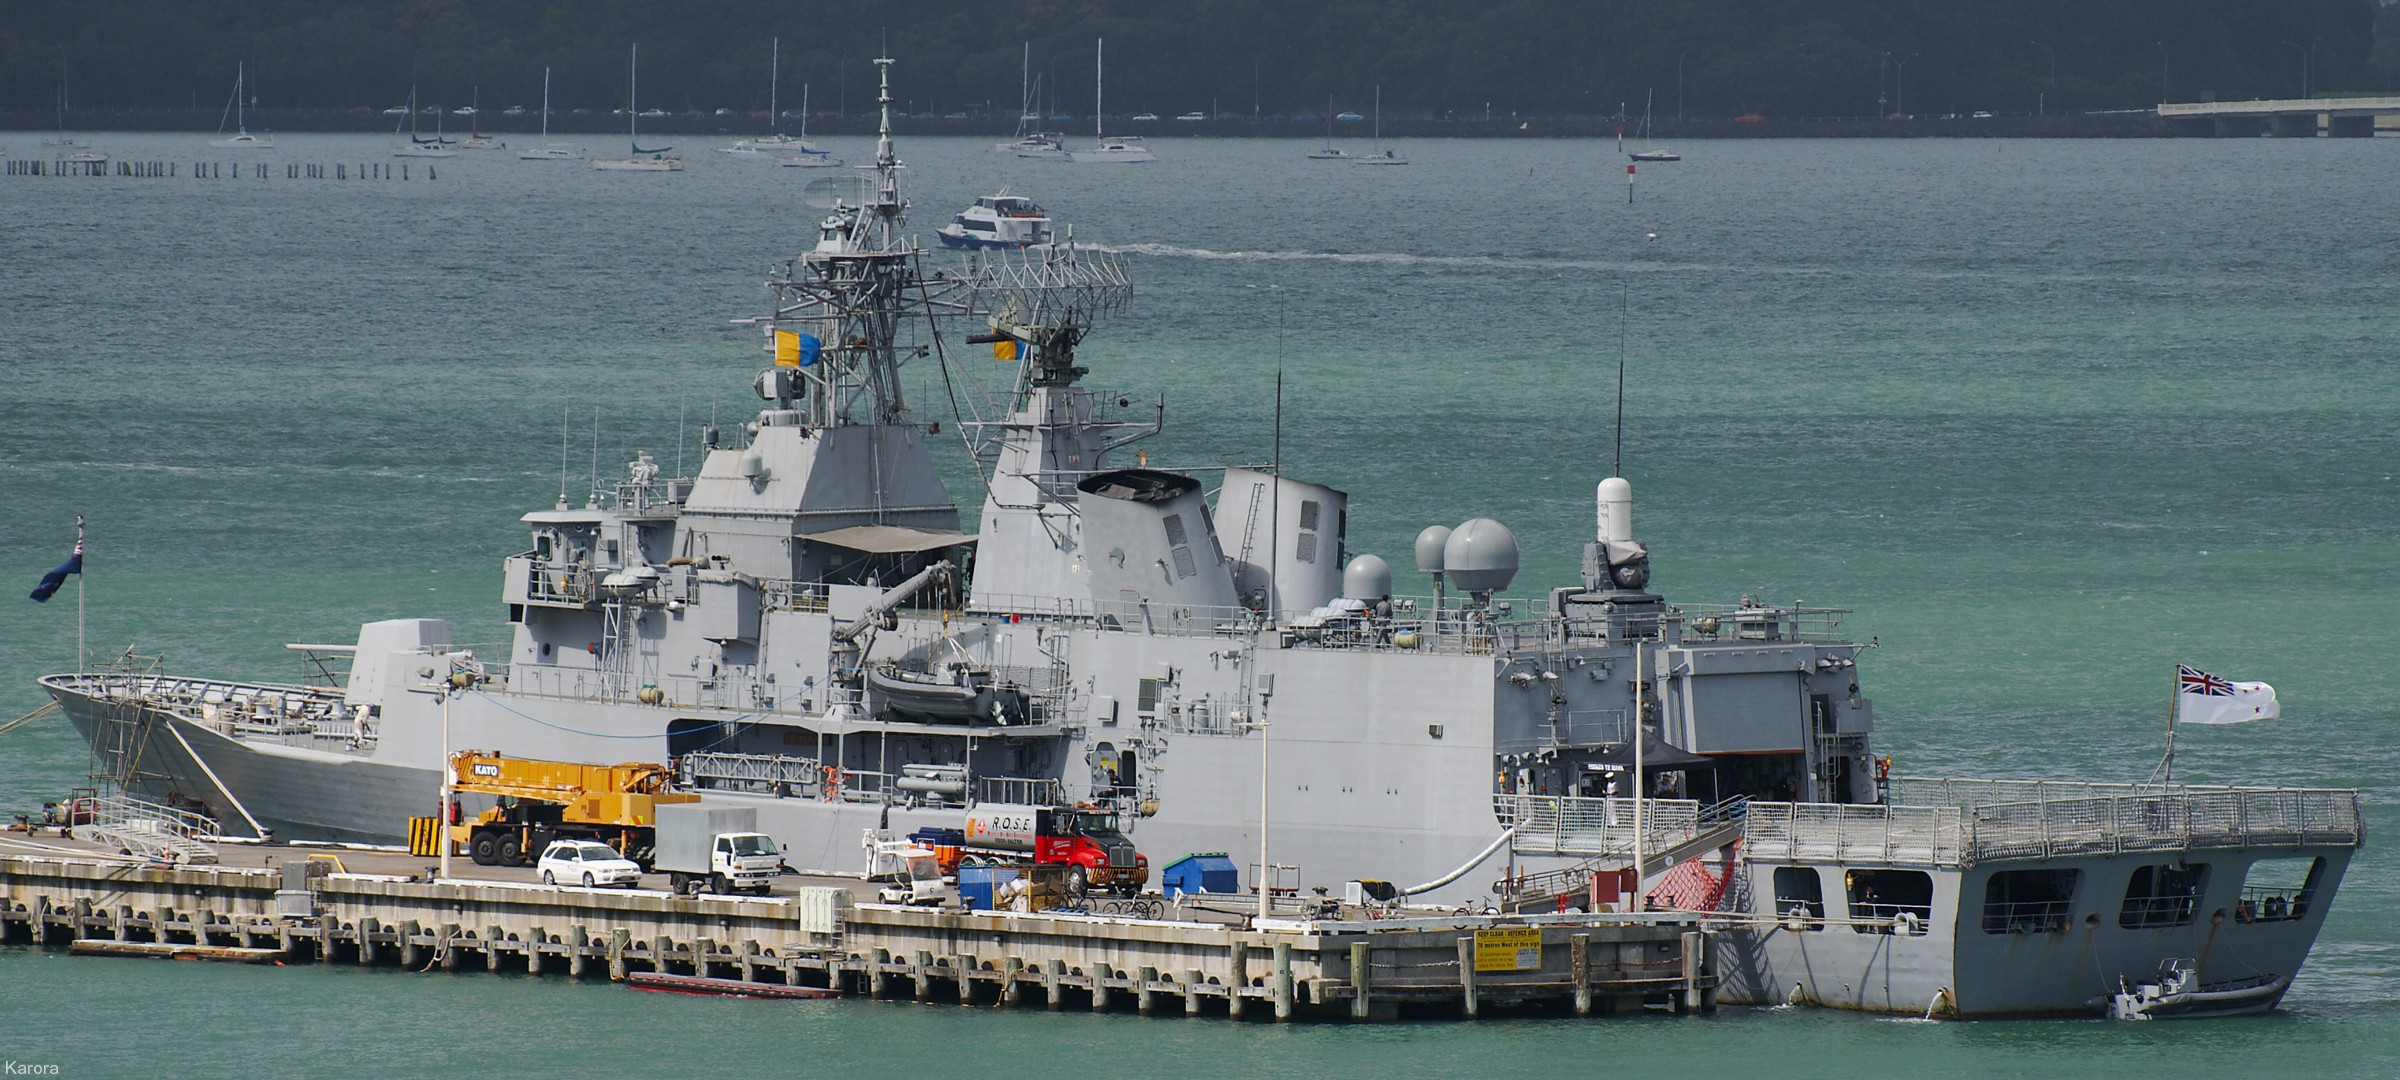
(1657, 757)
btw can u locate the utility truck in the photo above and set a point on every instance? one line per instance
(711, 849)
(909, 871)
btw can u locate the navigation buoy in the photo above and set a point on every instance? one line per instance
(1629, 185)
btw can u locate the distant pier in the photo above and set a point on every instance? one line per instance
(216, 170)
(2337, 117)
(1281, 968)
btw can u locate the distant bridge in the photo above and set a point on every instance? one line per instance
(2344, 117)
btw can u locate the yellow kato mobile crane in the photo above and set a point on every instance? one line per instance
(541, 801)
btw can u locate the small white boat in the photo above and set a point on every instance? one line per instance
(997, 221)
(805, 161)
(1108, 149)
(638, 159)
(1040, 146)
(243, 138)
(547, 152)
(85, 157)
(1127, 149)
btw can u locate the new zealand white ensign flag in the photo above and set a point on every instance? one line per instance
(2202, 698)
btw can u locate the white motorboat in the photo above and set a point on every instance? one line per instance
(243, 138)
(810, 161)
(997, 221)
(637, 158)
(546, 151)
(1106, 148)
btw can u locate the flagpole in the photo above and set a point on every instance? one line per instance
(2174, 705)
(81, 661)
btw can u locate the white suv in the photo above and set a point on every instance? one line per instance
(587, 863)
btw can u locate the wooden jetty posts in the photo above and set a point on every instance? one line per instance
(1449, 965)
(217, 170)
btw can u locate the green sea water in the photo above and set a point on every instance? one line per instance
(2048, 417)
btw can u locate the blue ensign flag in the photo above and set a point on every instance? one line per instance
(810, 346)
(57, 577)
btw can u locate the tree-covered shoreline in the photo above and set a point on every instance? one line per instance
(1701, 58)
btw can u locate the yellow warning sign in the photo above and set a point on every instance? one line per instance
(1511, 949)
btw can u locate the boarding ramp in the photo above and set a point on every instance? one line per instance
(152, 831)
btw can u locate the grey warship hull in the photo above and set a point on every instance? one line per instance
(1212, 663)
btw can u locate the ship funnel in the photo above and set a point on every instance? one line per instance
(1152, 549)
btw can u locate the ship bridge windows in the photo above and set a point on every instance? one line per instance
(1800, 895)
(2279, 890)
(2160, 896)
(2029, 901)
(1890, 901)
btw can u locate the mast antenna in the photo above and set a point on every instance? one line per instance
(1624, 313)
(595, 497)
(566, 416)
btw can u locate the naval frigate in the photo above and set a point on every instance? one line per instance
(803, 629)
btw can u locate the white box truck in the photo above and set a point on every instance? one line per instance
(712, 849)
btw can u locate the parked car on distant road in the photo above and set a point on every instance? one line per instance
(587, 863)
(1348, 117)
(654, 112)
(1193, 116)
(513, 110)
(396, 110)
(1145, 117)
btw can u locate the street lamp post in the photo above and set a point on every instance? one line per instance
(2165, 86)
(1266, 870)
(2304, 58)
(1900, 84)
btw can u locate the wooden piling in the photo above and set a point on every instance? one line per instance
(1466, 975)
(1362, 981)
(1579, 961)
(1283, 980)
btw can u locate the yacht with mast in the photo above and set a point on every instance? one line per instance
(1106, 148)
(804, 630)
(1649, 152)
(638, 159)
(775, 143)
(549, 151)
(242, 138)
(1380, 156)
(476, 139)
(417, 145)
(1330, 152)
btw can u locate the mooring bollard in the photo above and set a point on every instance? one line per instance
(1144, 999)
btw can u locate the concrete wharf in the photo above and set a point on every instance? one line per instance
(1425, 964)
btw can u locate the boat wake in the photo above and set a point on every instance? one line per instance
(1373, 258)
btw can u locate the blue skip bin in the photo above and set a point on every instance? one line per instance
(1201, 872)
(977, 884)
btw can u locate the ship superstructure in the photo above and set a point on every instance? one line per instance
(803, 629)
